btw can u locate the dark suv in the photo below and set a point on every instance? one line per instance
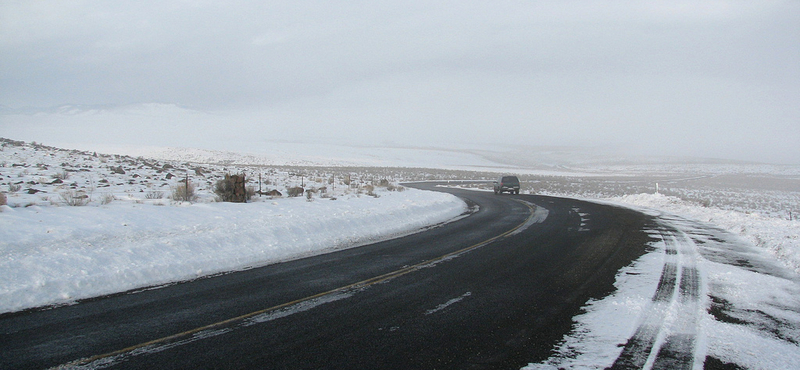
(507, 183)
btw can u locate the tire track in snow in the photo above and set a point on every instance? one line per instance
(667, 335)
(678, 349)
(636, 352)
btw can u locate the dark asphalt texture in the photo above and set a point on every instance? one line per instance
(498, 306)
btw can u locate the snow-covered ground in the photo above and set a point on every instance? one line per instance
(747, 307)
(129, 234)
(776, 236)
(745, 257)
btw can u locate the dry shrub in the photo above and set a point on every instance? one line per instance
(184, 192)
(226, 189)
(294, 192)
(154, 195)
(75, 198)
(369, 189)
(107, 198)
(3, 199)
(63, 175)
(250, 192)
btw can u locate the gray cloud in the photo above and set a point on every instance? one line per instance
(715, 78)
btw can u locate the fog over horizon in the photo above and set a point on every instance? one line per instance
(715, 79)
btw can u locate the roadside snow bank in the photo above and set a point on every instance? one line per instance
(56, 255)
(779, 237)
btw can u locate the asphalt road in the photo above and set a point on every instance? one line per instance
(494, 290)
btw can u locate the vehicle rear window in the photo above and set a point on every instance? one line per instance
(509, 179)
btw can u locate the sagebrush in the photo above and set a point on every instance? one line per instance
(184, 192)
(232, 189)
(75, 198)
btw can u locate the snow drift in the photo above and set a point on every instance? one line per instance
(56, 255)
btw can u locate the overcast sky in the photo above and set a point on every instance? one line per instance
(698, 78)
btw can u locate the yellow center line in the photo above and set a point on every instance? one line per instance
(358, 285)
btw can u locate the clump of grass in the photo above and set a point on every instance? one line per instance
(156, 194)
(184, 192)
(370, 190)
(107, 198)
(75, 198)
(250, 191)
(63, 175)
(294, 191)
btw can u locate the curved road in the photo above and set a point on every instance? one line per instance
(495, 290)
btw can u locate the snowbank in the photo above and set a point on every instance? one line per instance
(779, 237)
(56, 255)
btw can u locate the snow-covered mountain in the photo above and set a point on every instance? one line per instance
(170, 131)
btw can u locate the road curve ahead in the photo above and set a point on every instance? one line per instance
(494, 290)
